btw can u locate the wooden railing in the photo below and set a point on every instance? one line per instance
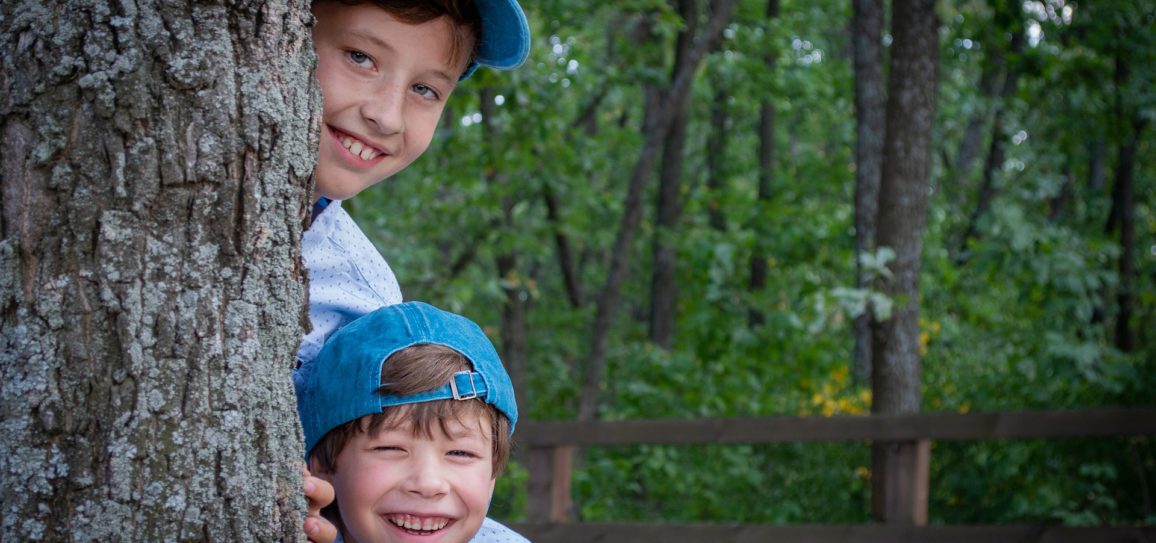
(551, 446)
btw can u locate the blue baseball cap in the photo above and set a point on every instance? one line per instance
(505, 36)
(341, 384)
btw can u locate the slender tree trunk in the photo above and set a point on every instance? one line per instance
(716, 161)
(569, 266)
(1123, 211)
(1125, 339)
(758, 260)
(870, 112)
(972, 141)
(156, 162)
(995, 155)
(987, 188)
(906, 171)
(656, 123)
(664, 268)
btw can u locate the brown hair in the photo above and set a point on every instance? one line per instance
(466, 21)
(409, 371)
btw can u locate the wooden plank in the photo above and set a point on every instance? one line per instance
(751, 533)
(1101, 422)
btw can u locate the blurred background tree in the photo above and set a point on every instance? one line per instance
(657, 218)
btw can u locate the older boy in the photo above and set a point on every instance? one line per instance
(408, 413)
(386, 69)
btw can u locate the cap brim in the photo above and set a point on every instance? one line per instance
(505, 35)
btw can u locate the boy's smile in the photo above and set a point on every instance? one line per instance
(384, 84)
(397, 487)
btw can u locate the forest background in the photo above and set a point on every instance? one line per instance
(724, 280)
(677, 209)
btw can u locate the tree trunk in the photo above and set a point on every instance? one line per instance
(1123, 210)
(566, 260)
(655, 125)
(902, 215)
(995, 156)
(663, 290)
(972, 141)
(716, 161)
(1125, 340)
(758, 260)
(156, 167)
(870, 111)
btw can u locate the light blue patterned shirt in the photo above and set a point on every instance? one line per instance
(347, 276)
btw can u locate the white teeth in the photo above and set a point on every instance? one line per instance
(360, 149)
(410, 522)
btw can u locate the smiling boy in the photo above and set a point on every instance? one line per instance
(408, 413)
(386, 69)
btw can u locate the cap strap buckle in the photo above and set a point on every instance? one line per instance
(466, 377)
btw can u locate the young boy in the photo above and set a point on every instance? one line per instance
(386, 69)
(408, 413)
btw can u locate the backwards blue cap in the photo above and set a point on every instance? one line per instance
(505, 36)
(341, 384)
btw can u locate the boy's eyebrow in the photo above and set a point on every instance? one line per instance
(463, 432)
(370, 37)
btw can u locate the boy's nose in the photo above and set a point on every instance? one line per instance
(426, 478)
(384, 110)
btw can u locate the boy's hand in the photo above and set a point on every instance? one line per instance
(319, 493)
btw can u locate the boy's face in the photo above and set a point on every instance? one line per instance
(384, 84)
(395, 487)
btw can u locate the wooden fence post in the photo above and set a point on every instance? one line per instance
(906, 483)
(538, 493)
(560, 486)
(548, 494)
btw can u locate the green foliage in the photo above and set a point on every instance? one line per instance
(1020, 316)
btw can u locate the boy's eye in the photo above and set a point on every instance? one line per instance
(463, 454)
(359, 58)
(426, 91)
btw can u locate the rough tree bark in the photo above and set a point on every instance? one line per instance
(870, 108)
(895, 377)
(758, 262)
(155, 169)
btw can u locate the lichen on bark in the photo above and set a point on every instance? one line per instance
(156, 162)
